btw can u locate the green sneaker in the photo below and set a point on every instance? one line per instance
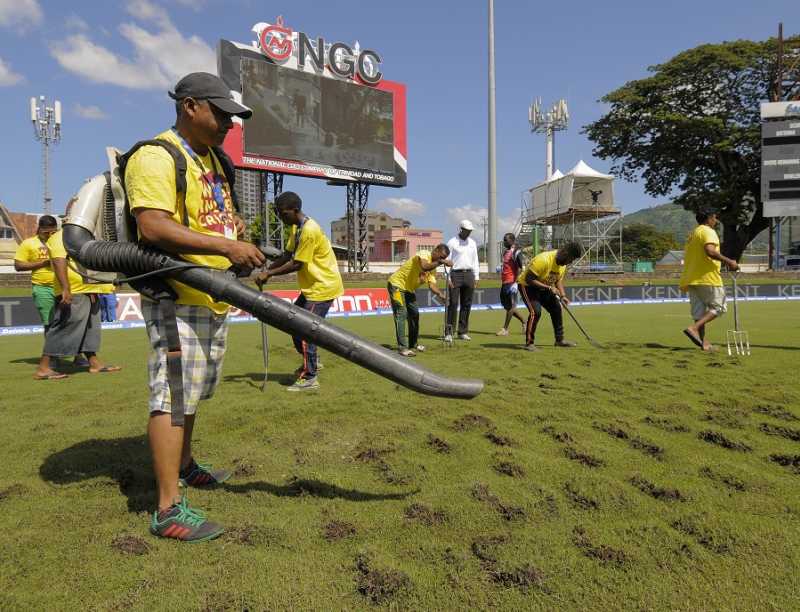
(304, 384)
(201, 475)
(181, 522)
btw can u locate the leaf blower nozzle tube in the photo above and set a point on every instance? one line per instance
(132, 259)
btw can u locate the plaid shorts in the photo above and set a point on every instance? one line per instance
(203, 336)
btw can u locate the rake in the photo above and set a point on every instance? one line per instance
(447, 336)
(591, 340)
(738, 340)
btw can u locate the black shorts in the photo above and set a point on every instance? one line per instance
(508, 295)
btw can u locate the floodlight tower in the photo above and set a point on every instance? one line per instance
(554, 120)
(47, 130)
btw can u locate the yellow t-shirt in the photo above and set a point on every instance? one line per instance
(698, 267)
(33, 250)
(410, 275)
(545, 268)
(150, 183)
(55, 245)
(319, 276)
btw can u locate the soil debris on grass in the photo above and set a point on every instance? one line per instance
(715, 437)
(714, 540)
(666, 424)
(425, 515)
(15, 490)
(523, 577)
(776, 412)
(647, 448)
(130, 545)
(656, 492)
(729, 480)
(388, 475)
(578, 499)
(582, 458)
(635, 442)
(243, 468)
(471, 421)
(485, 547)
(301, 456)
(783, 432)
(605, 554)
(225, 601)
(549, 376)
(439, 445)
(371, 454)
(562, 437)
(612, 430)
(790, 461)
(334, 531)
(481, 493)
(379, 585)
(247, 534)
(725, 418)
(497, 439)
(509, 468)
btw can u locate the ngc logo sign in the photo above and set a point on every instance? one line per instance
(280, 43)
(276, 41)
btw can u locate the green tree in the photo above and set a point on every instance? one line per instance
(693, 128)
(643, 241)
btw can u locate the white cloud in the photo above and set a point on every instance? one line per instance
(7, 76)
(195, 5)
(402, 207)
(73, 22)
(90, 112)
(477, 215)
(160, 56)
(20, 13)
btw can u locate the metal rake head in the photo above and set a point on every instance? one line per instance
(738, 342)
(443, 336)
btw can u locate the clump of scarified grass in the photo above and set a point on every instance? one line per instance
(379, 585)
(656, 492)
(719, 439)
(602, 553)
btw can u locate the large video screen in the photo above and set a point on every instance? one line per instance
(305, 117)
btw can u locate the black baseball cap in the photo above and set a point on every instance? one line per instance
(207, 86)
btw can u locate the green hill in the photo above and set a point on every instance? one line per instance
(679, 222)
(666, 218)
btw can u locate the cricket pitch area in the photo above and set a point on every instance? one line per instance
(648, 475)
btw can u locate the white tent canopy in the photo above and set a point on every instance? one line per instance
(582, 191)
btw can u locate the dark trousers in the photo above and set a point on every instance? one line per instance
(461, 292)
(108, 307)
(534, 299)
(404, 308)
(306, 349)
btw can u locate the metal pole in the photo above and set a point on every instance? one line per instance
(491, 253)
(45, 173)
(550, 146)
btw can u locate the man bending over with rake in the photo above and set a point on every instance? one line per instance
(701, 278)
(541, 283)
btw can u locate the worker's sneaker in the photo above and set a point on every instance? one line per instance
(201, 475)
(304, 384)
(420, 348)
(565, 344)
(464, 337)
(502, 332)
(531, 347)
(406, 352)
(183, 523)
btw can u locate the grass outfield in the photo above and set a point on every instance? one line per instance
(646, 476)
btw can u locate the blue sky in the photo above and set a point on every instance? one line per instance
(110, 63)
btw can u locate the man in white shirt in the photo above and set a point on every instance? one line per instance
(463, 280)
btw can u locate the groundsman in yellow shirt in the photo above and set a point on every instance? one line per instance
(701, 278)
(402, 287)
(308, 253)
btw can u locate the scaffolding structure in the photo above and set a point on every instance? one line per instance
(577, 206)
